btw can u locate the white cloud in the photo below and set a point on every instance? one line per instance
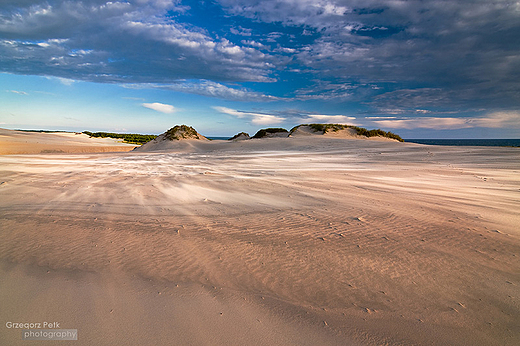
(254, 43)
(17, 92)
(446, 45)
(255, 118)
(430, 123)
(208, 88)
(241, 31)
(66, 81)
(266, 119)
(509, 119)
(288, 116)
(329, 119)
(159, 107)
(286, 50)
(113, 42)
(229, 111)
(492, 120)
(318, 13)
(395, 46)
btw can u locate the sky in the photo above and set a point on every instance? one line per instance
(421, 69)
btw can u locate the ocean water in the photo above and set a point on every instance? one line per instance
(218, 138)
(469, 142)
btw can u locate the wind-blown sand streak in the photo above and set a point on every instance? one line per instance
(277, 241)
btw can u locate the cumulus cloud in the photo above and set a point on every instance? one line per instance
(459, 48)
(254, 43)
(395, 57)
(241, 31)
(120, 42)
(302, 12)
(159, 107)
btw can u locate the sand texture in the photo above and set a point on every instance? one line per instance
(20, 142)
(285, 241)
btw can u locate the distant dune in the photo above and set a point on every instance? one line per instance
(271, 133)
(176, 138)
(183, 138)
(21, 142)
(307, 130)
(343, 131)
(180, 138)
(242, 136)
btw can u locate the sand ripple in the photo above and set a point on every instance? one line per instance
(386, 245)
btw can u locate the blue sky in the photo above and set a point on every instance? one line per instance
(422, 69)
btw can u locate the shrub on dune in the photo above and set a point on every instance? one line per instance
(270, 131)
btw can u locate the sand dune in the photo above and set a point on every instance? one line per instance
(280, 241)
(19, 142)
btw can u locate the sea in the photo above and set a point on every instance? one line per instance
(218, 138)
(469, 142)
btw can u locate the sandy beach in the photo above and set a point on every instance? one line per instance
(281, 241)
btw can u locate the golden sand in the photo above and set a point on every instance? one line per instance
(265, 242)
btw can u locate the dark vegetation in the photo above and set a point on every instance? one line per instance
(132, 138)
(246, 135)
(181, 132)
(324, 128)
(264, 132)
(42, 131)
(373, 133)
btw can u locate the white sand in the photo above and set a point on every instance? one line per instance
(21, 142)
(265, 242)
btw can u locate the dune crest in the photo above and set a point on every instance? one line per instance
(175, 138)
(276, 132)
(182, 132)
(342, 131)
(242, 136)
